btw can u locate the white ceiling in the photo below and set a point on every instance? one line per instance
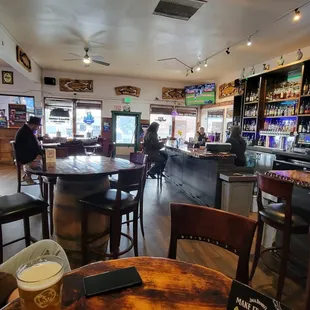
(134, 39)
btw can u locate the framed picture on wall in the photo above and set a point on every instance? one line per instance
(7, 77)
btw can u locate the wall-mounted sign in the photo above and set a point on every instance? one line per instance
(128, 91)
(17, 115)
(23, 59)
(7, 77)
(173, 93)
(81, 86)
(228, 90)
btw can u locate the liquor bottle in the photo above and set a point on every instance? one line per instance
(247, 98)
(300, 127)
(267, 109)
(302, 109)
(306, 109)
(255, 111)
(306, 87)
(308, 127)
(265, 125)
(304, 127)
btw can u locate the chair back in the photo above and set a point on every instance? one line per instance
(140, 159)
(308, 289)
(130, 180)
(230, 231)
(279, 188)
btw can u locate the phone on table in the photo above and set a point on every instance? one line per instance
(111, 281)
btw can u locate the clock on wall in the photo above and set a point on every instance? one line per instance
(7, 77)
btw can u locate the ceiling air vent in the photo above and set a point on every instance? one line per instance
(178, 9)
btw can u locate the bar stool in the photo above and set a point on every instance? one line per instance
(115, 204)
(21, 206)
(159, 175)
(280, 217)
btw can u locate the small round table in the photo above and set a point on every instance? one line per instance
(77, 178)
(167, 284)
(299, 178)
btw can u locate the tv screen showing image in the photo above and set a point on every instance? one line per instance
(200, 94)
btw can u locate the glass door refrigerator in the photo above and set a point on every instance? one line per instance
(126, 130)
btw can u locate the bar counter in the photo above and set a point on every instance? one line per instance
(196, 173)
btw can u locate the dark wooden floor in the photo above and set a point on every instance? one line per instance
(157, 232)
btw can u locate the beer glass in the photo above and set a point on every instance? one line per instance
(40, 283)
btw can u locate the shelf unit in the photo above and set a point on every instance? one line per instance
(289, 79)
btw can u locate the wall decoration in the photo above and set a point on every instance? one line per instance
(252, 70)
(106, 126)
(81, 86)
(227, 90)
(126, 108)
(280, 62)
(128, 91)
(17, 115)
(266, 67)
(7, 77)
(3, 120)
(299, 54)
(23, 59)
(173, 93)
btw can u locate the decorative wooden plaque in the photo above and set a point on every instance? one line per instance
(81, 86)
(228, 90)
(128, 91)
(173, 93)
(23, 59)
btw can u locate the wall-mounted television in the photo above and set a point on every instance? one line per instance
(202, 94)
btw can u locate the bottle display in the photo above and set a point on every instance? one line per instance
(249, 125)
(251, 96)
(250, 111)
(280, 110)
(304, 126)
(280, 125)
(249, 139)
(284, 90)
(306, 87)
(304, 107)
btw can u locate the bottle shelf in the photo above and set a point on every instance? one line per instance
(247, 131)
(249, 117)
(281, 100)
(265, 116)
(274, 133)
(305, 96)
(307, 115)
(252, 102)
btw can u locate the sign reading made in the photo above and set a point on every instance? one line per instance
(243, 297)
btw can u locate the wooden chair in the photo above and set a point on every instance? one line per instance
(22, 206)
(280, 217)
(159, 176)
(19, 168)
(138, 159)
(308, 290)
(114, 203)
(230, 231)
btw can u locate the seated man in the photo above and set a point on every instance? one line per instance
(8, 284)
(27, 146)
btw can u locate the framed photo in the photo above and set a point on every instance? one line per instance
(7, 77)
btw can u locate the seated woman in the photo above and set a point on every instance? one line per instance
(238, 146)
(8, 284)
(151, 147)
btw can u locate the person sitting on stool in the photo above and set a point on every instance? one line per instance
(152, 148)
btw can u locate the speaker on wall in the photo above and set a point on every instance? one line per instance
(49, 81)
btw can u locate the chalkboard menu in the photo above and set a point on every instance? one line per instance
(17, 115)
(243, 297)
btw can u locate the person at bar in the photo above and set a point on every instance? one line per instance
(27, 146)
(201, 136)
(238, 146)
(152, 148)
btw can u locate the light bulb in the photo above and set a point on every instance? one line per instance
(86, 60)
(297, 15)
(249, 43)
(206, 63)
(198, 68)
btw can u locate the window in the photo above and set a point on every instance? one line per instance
(125, 129)
(186, 125)
(165, 124)
(88, 122)
(215, 125)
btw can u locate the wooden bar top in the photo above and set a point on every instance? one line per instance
(167, 284)
(299, 178)
(202, 154)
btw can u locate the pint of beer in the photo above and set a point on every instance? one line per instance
(40, 283)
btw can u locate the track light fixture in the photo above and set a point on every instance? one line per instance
(297, 15)
(192, 71)
(249, 43)
(227, 51)
(198, 68)
(206, 63)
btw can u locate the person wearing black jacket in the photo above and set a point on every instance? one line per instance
(27, 148)
(152, 147)
(238, 145)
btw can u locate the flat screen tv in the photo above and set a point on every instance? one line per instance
(196, 95)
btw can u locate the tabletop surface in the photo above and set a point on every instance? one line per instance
(167, 284)
(299, 178)
(83, 166)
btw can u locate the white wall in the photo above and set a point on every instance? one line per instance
(8, 54)
(104, 90)
(231, 76)
(22, 86)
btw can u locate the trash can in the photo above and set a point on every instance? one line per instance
(237, 192)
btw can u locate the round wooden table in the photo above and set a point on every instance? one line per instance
(77, 178)
(167, 284)
(299, 178)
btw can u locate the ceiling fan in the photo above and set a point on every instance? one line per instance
(88, 59)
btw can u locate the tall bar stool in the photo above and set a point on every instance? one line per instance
(280, 217)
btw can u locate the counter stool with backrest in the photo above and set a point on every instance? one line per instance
(280, 217)
(114, 203)
(230, 231)
(21, 206)
(159, 177)
(19, 168)
(138, 159)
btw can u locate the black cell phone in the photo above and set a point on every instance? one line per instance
(111, 281)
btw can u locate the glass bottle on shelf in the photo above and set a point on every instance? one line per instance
(302, 109)
(306, 88)
(307, 107)
(300, 126)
